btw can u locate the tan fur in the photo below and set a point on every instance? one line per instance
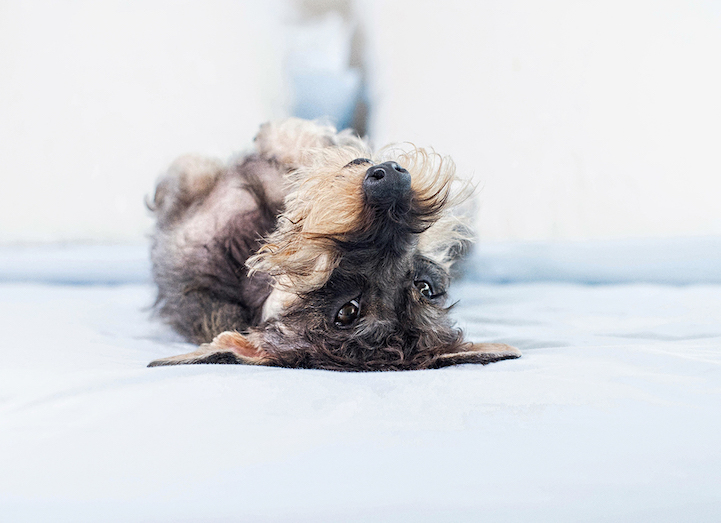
(482, 353)
(235, 344)
(293, 141)
(434, 176)
(277, 302)
(189, 178)
(325, 199)
(226, 262)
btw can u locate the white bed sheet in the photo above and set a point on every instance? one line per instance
(612, 414)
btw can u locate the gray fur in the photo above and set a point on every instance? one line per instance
(210, 220)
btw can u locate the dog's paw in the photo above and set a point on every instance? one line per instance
(189, 178)
(290, 141)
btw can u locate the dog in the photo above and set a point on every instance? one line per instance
(313, 252)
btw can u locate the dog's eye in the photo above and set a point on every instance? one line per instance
(424, 288)
(347, 314)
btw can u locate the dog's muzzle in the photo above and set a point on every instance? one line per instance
(387, 183)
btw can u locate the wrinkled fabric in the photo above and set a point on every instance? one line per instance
(611, 414)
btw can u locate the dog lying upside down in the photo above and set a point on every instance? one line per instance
(312, 252)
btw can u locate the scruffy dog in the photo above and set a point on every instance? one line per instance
(312, 252)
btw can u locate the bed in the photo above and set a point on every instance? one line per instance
(612, 414)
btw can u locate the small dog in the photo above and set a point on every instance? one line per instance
(312, 252)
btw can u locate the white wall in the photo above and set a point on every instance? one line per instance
(96, 98)
(588, 119)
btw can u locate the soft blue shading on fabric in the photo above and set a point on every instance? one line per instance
(75, 264)
(676, 261)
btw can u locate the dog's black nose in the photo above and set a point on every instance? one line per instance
(386, 183)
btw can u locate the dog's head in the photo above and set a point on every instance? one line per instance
(361, 261)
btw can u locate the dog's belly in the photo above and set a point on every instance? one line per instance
(244, 202)
(199, 261)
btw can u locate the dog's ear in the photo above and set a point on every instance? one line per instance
(228, 347)
(482, 353)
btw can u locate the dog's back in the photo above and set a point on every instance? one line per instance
(210, 219)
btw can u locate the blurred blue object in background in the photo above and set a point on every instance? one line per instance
(326, 94)
(323, 82)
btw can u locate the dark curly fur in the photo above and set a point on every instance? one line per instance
(212, 220)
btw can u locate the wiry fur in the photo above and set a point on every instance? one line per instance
(254, 260)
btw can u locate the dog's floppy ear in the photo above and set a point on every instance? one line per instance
(483, 353)
(228, 347)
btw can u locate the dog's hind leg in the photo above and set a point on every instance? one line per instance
(210, 219)
(289, 142)
(189, 179)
